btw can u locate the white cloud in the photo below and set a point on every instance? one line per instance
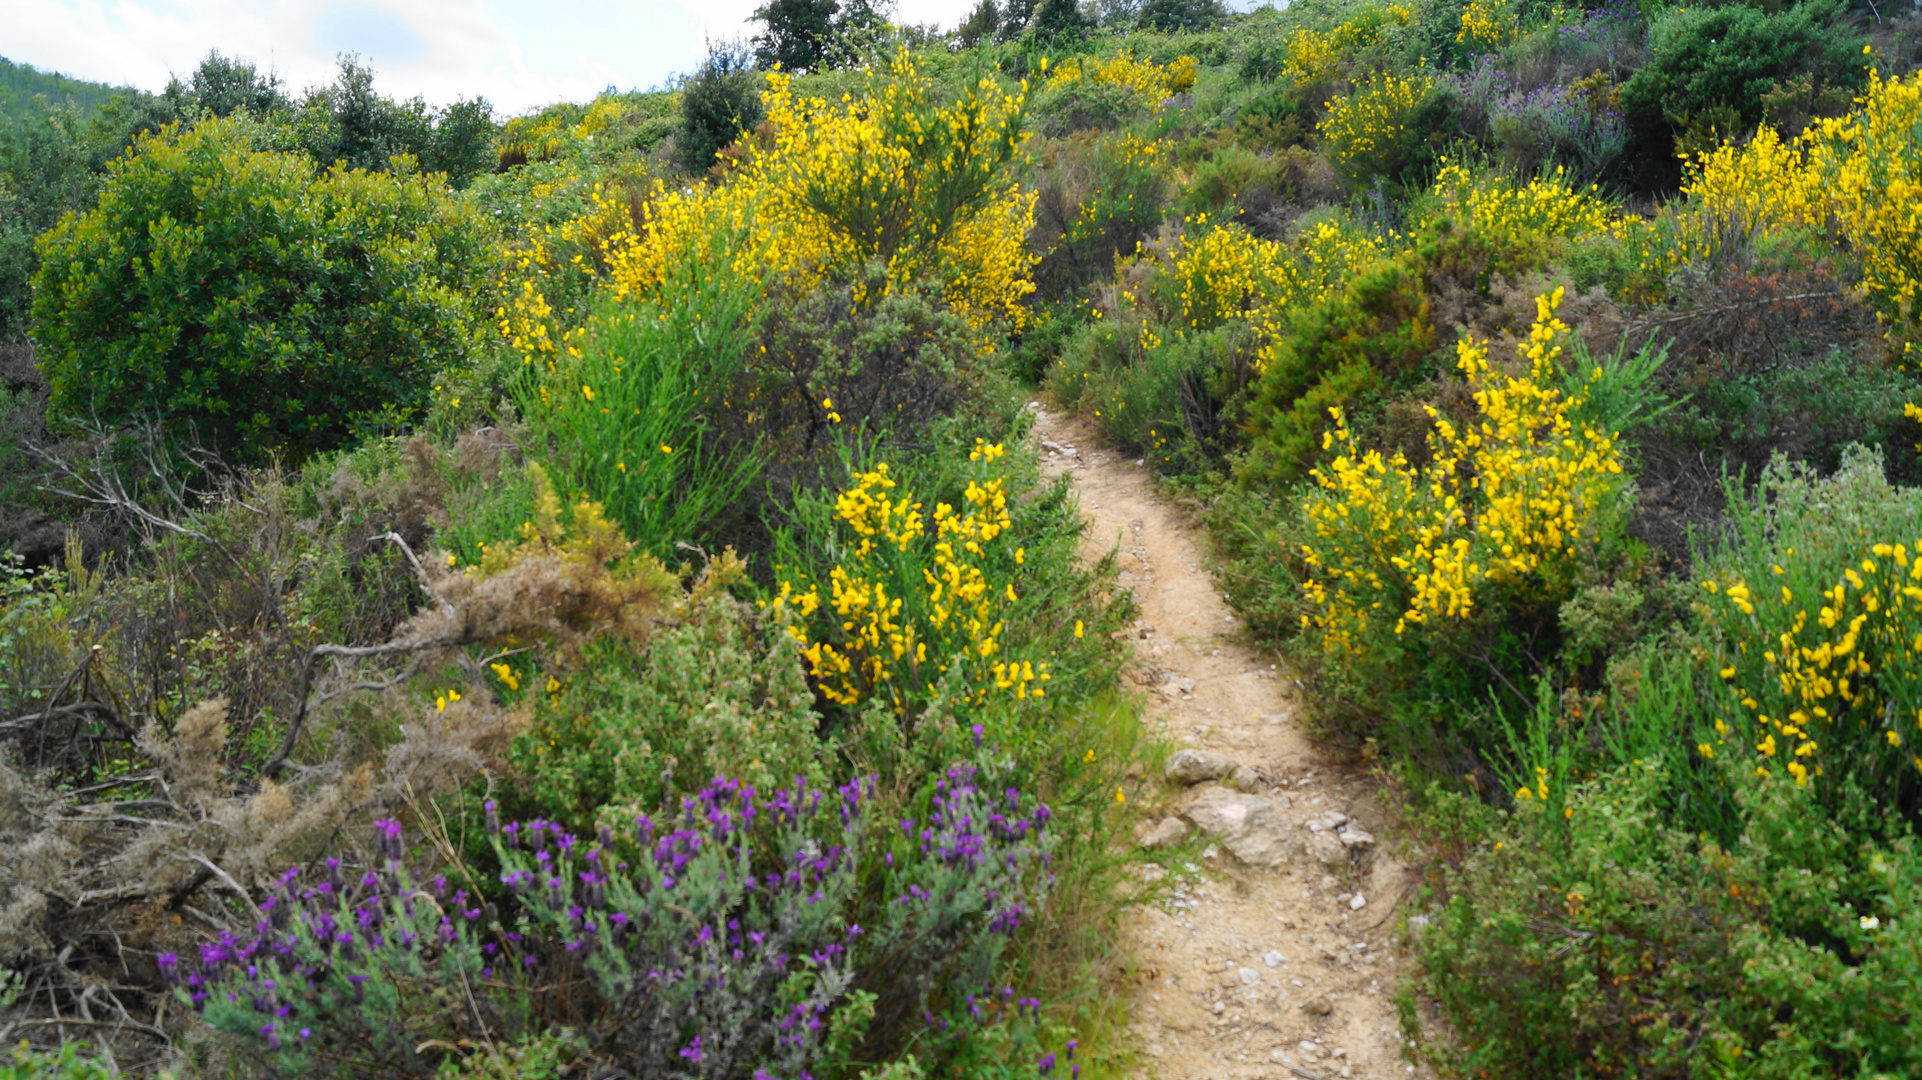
(516, 53)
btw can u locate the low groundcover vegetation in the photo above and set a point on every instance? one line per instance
(572, 596)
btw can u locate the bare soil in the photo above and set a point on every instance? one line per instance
(1240, 972)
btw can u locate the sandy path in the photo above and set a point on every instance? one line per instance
(1243, 972)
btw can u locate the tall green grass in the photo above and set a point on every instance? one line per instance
(627, 421)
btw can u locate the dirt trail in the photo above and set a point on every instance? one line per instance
(1250, 971)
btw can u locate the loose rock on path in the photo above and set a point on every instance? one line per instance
(1277, 955)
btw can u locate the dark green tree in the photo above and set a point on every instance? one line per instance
(236, 292)
(718, 102)
(223, 86)
(1169, 16)
(799, 34)
(1061, 19)
(351, 123)
(980, 25)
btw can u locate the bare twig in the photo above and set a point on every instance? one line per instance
(420, 572)
(304, 693)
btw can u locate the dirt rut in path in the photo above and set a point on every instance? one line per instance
(1278, 958)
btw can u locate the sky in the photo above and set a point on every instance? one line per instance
(520, 55)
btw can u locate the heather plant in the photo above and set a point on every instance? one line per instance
(736, 934)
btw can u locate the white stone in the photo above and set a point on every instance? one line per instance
(1357, 902)
(1272, 958)
(1198, 766)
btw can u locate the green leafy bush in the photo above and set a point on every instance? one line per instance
(1734, 55)
(718, 102)
(714, 693)
(62, 1064)
(1376, 332)
(231, 291)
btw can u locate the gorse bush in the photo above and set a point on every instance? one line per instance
(273, 310)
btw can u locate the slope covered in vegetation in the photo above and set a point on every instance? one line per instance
(571, 594)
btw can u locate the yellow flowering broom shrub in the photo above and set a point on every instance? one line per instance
(1856, 177)
(1226, 272)
(900, 176)
(915, 592)
(1145, 78)
(1486, 25)
(1819, 606)
(1365, 133)
(1502, 507)
(1307, 54)
(1546, 207)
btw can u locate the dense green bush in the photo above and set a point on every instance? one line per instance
(718, 102)
(1733, 55)
(231, 293)
(1376, 332)
(715, 694)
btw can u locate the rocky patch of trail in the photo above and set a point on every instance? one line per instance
(1277, 956)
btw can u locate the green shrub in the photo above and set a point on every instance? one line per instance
(718, 102)
(1734, 55)
(1571, 946)
(716, 693)
(62, 1064)
(234, 293)
(1585, 934)
(1375, 333)
(1098, 196)
(627, 414)
(1169, 404)
(1237, 184)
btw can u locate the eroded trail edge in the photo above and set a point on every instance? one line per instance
(1276, 954)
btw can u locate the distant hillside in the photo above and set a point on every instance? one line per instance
(19, 83)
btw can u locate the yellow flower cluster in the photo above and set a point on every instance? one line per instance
(1370, 120)
(1309, 54)
(528, 323)
(1486, 24)
(1547, 206)
(1841, 673)
(1867, 167)
(1504, 499)
(917, 183)
(553, 131)
(1145, 78)
(1228, 273)
(1860, 175)
(906, 603)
